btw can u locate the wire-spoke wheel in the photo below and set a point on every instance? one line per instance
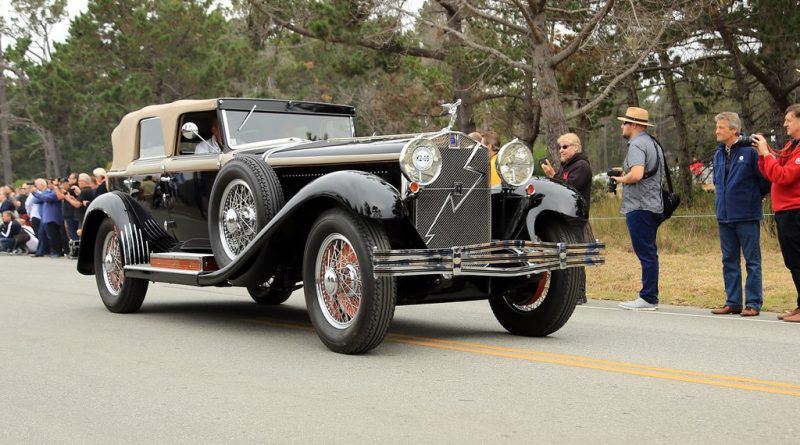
(119, 293)
(338, 281)
(348, 305)
(245, 197)
(545, 308)
(237, 217)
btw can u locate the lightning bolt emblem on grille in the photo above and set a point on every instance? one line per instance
(429, 235)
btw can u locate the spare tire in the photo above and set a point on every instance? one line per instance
(245, 197)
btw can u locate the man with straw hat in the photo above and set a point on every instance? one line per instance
(642, 204)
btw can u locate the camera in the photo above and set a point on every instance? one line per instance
(748, 139)
(611, 187)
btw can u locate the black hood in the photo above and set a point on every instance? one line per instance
(578, 156)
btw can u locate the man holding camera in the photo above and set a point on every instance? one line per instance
(739, 189)
(641, 202)
(575, 169)
(783, 169)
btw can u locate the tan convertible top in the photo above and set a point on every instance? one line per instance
(124, 138)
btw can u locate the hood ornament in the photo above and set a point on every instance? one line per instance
(452, 110)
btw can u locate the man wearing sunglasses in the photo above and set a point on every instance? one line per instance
(642, 202)
(575, 169)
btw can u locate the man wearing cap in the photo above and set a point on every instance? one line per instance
(642, 202)
(100, 179)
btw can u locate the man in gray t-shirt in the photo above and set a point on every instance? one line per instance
(642, 202)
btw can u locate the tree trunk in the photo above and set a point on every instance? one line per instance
(5, 145)
(685, 178)
(461, 82)
(740, 90)
(530, 122)
(53, 161)
(553, 120)
(631, 92)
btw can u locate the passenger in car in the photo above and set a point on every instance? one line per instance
(492, 140)
(212, 144)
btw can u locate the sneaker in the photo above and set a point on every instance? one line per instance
(638, 305)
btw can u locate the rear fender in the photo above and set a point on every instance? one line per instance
(140, 232)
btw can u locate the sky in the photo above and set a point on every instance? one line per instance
(74, 8)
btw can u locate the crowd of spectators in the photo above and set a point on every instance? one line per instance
(42, 217)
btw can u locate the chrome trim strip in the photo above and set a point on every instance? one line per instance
(146, 268)
(497, 258)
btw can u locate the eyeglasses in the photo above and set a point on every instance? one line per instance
(564, 147)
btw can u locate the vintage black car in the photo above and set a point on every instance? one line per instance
(293, 199)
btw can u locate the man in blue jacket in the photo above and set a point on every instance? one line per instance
(52, 220)
(740, 188)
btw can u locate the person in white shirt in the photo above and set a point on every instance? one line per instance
(212, 144)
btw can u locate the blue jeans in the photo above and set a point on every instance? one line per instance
(44, 244)
(72, 228)
(6, 244)
(642, 226)
(736, 239)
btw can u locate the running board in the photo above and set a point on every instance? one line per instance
(174, 267)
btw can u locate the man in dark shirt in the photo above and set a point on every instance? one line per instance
(81, 200)
(67, 210)
(8, 231)
(575, 169)
(100, 178)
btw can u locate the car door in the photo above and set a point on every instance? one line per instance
(189, 177)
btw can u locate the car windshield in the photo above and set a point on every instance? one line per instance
(244, 128)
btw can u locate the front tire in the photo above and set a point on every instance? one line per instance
(552, 302)
(119, 293)
(348, 305)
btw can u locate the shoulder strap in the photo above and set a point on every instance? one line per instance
(655, 169)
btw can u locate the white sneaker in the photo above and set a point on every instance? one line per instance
(638, 305)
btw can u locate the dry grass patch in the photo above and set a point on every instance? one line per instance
(690, 262)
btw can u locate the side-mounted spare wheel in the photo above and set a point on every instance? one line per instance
(550, 304)
(119, 293)
(348, 305)
(245, 196)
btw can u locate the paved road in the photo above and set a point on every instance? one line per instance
(209, 366)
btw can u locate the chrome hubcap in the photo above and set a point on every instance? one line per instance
(237, 217)
(331, 283)
(338, 281)
(112, 263)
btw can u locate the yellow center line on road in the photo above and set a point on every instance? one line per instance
(719, 380)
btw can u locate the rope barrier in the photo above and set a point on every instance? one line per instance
(607, 218)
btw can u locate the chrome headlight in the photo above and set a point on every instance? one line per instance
(515, 163)
(421, 161)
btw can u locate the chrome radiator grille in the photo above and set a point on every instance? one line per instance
(455, 209)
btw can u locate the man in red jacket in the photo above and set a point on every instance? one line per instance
(783, 170)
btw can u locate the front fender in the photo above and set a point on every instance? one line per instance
(362, 193)
(557, 199)
(126, 213)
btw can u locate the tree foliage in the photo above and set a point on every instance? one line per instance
(524, 69)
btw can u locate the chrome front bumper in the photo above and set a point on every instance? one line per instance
(494, 259)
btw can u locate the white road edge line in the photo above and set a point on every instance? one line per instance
(660, 312)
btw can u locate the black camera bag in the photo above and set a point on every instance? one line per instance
(669, 198)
